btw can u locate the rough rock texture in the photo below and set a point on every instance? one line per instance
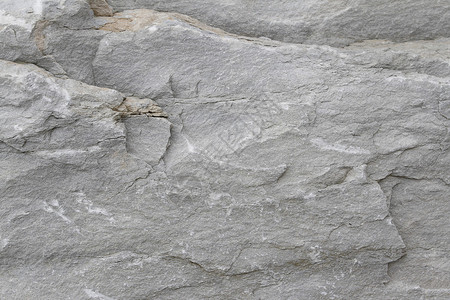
(152, 155)
(314, 21)
(101, 8)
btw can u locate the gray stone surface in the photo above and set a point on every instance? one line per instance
(314, 22)
(148, 155)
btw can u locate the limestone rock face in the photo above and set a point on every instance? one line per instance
(224, 149)
(312, 21)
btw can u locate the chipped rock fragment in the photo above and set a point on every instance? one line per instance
(137, 106)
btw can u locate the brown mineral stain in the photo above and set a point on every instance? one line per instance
(101, 8)
(38, 34)
(134, 20)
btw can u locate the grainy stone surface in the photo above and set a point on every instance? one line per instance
(151, 155)
(314, 21)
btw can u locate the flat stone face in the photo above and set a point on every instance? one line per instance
(147, 137)
(311, 21)
(150, 155)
